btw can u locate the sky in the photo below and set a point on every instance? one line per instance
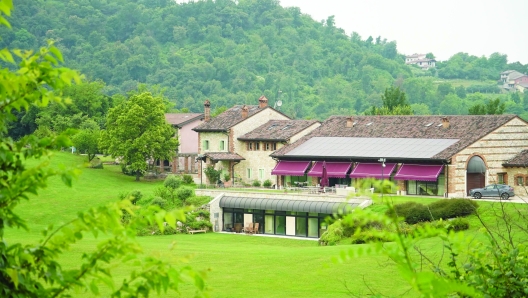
(446, 27)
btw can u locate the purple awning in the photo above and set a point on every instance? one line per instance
(419, 172)
(372, 170)
(291, 168)
(333, 169)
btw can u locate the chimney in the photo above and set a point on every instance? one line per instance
(263, 102)
(349, 122)
(245, 111)
(207, 110)
(445, 122)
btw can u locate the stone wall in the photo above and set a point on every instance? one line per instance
(254, 160)
(495, 149)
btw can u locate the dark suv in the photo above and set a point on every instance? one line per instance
(493, 190)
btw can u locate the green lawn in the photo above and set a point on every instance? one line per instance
(239, 265)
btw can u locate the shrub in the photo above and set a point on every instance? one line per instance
(96, 163)
(187, 179)
(172, 182)
(443, 209)
(267, 183)
(256, 183)
(198, 200)
(144, 201)
(161, 202)
(453, 208)
(333, 235)
(458, 224)
(227, 177)
(135, 196)
(184, 193)
(212, 175)
(162, 192)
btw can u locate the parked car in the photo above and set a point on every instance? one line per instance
(493, 190)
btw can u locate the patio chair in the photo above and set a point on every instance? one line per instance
(238, 227)
(256, 228)
(249, 228)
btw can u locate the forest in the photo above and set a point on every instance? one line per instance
(232, 52)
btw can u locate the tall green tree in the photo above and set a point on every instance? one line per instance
(87, 141)
(394, 102)
(136, 131)
(492, 107)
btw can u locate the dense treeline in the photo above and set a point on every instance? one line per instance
(465, 66)
(231, 52)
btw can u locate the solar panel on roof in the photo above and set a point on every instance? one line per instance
(348, 147)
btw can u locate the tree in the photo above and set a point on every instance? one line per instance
(35, 269)
(136, 131)
(86, 141)
(430, 56)
(492, 107)
(394, 103)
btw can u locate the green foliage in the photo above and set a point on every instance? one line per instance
(267, 183)
(227, 177)
(86, 141)
(458, 224)
(163, 192)
(212, 174)
(136, 131)
(34, 269)
(256, 183)
(198, 200)
(135, 196)
(159, 201)
(414, 212)
(332, 235)
(187, 179)
(394, 102)
(453, 208)
(492, 107)
(184, 193)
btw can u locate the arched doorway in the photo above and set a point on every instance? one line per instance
(476, 173)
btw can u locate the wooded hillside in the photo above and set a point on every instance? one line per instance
(233, 52)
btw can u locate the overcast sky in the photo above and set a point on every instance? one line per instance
(477, 27)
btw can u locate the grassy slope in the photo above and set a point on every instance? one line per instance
(240, 265)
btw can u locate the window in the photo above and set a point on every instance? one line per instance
(268, 146)
(249, 173)
(273, 146)
(206, 145)
(249, 146)
(261, 174)
(256, 146)
(519, 180)
(222, 145)
(502, 178)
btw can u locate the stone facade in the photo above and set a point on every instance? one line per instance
(255, 160)
(495, 149)
(231, 144)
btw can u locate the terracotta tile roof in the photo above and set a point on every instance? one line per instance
(223, 156)
(180, 119)
(229, 118)
(277, 130)
(468, 129)
(520, 160)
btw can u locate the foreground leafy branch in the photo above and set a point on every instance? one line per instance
(34, 270)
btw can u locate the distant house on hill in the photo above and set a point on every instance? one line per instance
(513, 80)
(420, 60)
